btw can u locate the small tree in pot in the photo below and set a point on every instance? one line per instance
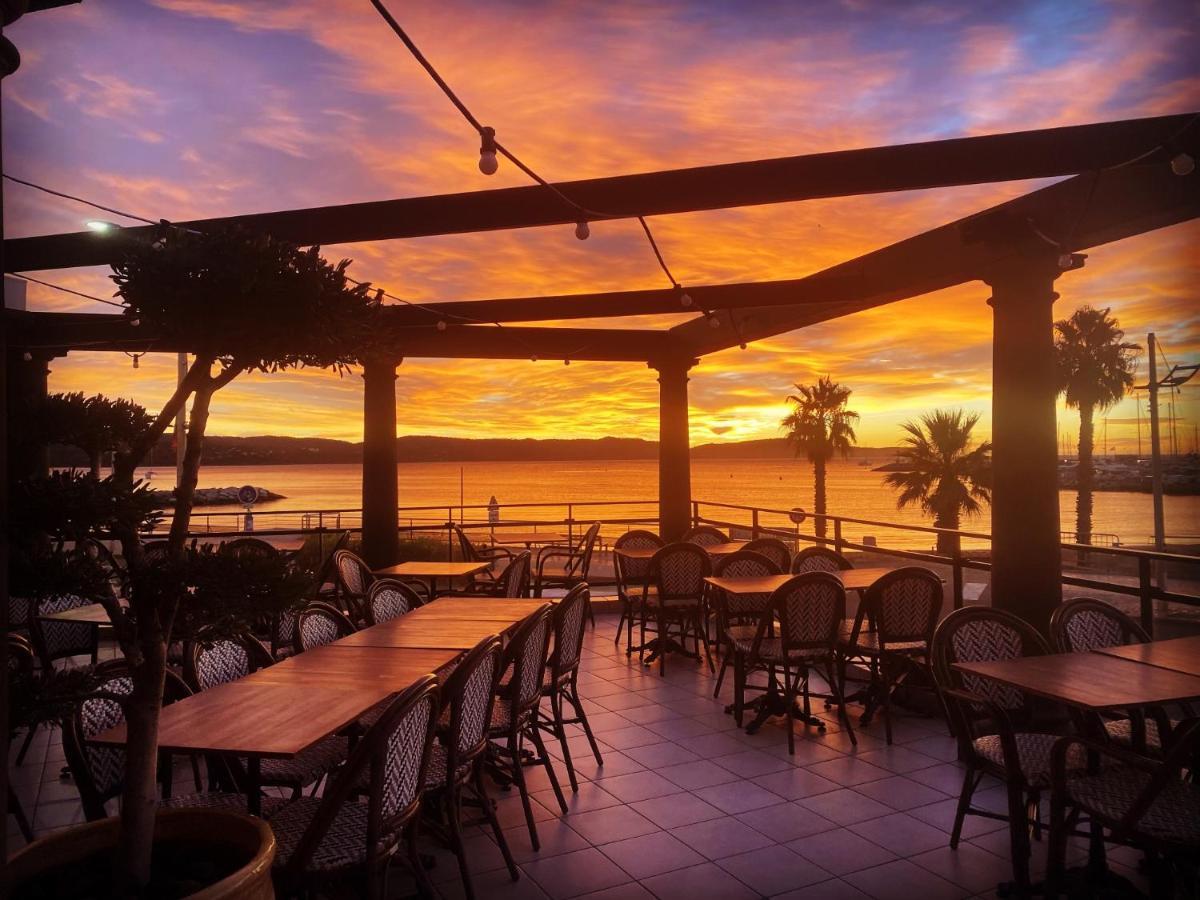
(240, 303)
(96, 425)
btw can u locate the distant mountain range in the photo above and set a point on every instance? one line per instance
(272, 450)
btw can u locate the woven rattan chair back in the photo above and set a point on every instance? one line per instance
(469, 693)
(773, 549)
(389, 599)
(634, 571)
(155, 552)
(906, 605)
(526, 653)
(981, 634)
(250, 548)
(391, 758)
(582, 563)
(208, 662)
(319, 624)
(1085, 624)
(705, 536)
(808, 610)
(466, 546)
(353, 578)
(679, 571)
(745, 563)
(514, 580)
(568, 619)
(819, 559)
(60, 640)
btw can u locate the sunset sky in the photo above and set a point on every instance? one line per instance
(190, 108)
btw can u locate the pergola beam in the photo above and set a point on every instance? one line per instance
(1015, 156)
(1079, 213)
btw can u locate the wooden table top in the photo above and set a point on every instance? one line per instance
(1089, 680)
(1178, 654)
(710, 549)
(852, 580)
(425, 569)
(333, 665)
(255, 716)
(495, 609)
(427, 634)
(92, 614)
(529, 537)
(724, 549)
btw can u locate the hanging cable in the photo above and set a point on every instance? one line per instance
(67, 290)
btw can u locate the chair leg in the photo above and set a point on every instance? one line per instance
(573, 696)
(518, 777)
(541, 749)
(739, 687)
(721, 674)
(703, 635)
(560, 731)
(789, 698)
(489, 813)
(1056, 850)
(885, 697)
(454, 826)
(836, 688)
(663, 636)
(970, 780)
(621, 621)
(1018, 832)
(424, 887)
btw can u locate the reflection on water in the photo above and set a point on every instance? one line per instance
(854, 490)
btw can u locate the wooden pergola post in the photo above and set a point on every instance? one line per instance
(1026, 559)
(380, 496)
(674, 453)
(28, 387)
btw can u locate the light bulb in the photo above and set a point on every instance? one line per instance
(685, 299)
(533, 358)
(582, 231)
(27, 356)
(488, 164)
(1065, 262)
(742, 345)
(100, 226)
(135, 322)
(566, 362)
(441, 325)
(714, 322)
(1183, 164)
(135, 361)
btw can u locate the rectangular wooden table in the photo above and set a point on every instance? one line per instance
(482, 608)
(1178, 654)
(92, 614)
(852, 580)
(529, 538)
(427, 634)
(432, 571)
(1094, 681)
(333, 665)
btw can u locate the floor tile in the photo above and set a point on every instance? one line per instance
(495, 885)
(711, 746)
(717, 838)
(945, 777)
(833, 889)
(680, 729)
(751, 763)
(902, 834)
(590, 796)
(658, 756)
(703, 882)
(840, 851)
(849, 771)
(901, 880)
(639, 786)
(845, 806)
(631, 736)
(793, 783)
(697, 774)
(655, 712)
(785, 822)
(652, 854)
(900, 793)
(969, 867)
(737, 796)
(613, 824)
(941, 815)
(677, 809)
(898, 759)
(572, 874)
(772, 870)
(555, 836)
(630, 891)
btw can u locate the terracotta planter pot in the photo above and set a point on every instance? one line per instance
(243, 835)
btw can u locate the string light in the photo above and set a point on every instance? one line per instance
(100, 226)
(488, 164)
(533, 358)
(27, 356)
(582, 231)
(685, 299)
(441, 325)
(1183, 164)
(566, 362)
(135, 357)
(714, 322)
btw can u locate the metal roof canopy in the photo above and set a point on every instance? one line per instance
(1129, 190)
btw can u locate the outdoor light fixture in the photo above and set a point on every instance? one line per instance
(742, 345)
(685, 299)
(582, 231)
(1069, 261)
(27, 356)
(1182, 164)
(488, 164)
(135, 322)
(101, 227)
(714, 322)
(441, 325)
(566, 362)
(533, 358)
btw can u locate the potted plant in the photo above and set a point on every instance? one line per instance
(241, 302)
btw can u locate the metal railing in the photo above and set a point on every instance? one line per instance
(1149, 588)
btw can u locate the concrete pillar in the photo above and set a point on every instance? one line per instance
(28, 385)
(1026, 559)
(674, 454)
(380, 497)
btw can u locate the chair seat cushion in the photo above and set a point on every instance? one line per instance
(220, 800)
(868, 642)
(1121, 731)
(772, 649)
(308, 766)
(436, 771)
(1173, 816)
(654, 601)
(343, 846)
(1033, 748)
(557, 571)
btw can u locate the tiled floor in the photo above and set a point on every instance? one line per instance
(688, 806)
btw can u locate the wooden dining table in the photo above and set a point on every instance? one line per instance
(529, 538)
(713, 550)
(430, 571)
(92, 614)
(852, 580)
(1177, 654)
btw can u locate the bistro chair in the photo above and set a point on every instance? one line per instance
(675, 597)
(53, 641)
(797, 632)
(155, 552)
(211, 662)
(325, 570)
(472, 552)
(98, 770)
(632, 577)
(389, 599)
(353, 577)
(1083, 624)
(1152, 805)
(20, 614)
(704, 536)
(819, 559)
(572, 566)
(319, 624)
(513, 582)
(455, 773)
(514, 716)
(334, 840)
(999, 729)
(904, 606)
(249, 548)
(563, 682)
(738, 614)
(773, 549)
(20, 665)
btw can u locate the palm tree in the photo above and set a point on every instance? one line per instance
(944, 474)
(819, 427)
(1095, 368)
